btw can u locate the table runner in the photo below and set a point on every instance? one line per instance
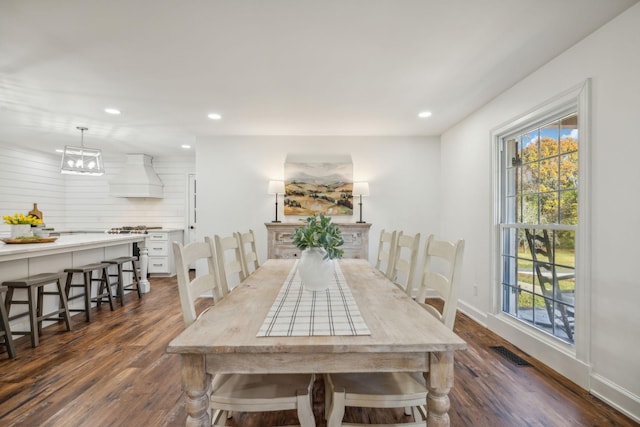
(297, 312)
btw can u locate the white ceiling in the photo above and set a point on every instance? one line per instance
(277, 67)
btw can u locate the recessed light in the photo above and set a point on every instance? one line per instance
(214, 116)
(424, 114)
(59, 150)
(186, 146)
(114, 111)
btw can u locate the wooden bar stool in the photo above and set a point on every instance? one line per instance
(34, 286)
(103, 293)
(135, 282)
(5, 331)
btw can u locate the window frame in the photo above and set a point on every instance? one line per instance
(575, 99)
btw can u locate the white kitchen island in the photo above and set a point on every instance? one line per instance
(73, 250)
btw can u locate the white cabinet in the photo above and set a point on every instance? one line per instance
(160, 248)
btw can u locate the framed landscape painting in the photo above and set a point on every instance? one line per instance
(314, 188)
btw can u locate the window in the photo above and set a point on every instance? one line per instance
(538, 222)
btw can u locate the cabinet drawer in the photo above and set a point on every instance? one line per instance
(158, 265)
(157, 236)
(286, 252)
(158, 248)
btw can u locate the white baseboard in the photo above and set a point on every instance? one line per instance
(469, 310)
(615, 396)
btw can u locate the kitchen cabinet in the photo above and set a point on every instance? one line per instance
(160, 247)
(280, 235)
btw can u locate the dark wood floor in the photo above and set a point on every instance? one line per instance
(115, 372)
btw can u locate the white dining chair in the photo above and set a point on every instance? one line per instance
(248, 252)
(405, 260)
(385, 257)
(441, 277)
(229, 262)
(401, 389)
(237, 392)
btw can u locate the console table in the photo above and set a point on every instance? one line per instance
(280, 234)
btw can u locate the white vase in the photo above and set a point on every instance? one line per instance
(21, 230)
(315, 271)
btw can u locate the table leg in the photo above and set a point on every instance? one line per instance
(195, 383)
(439, 381)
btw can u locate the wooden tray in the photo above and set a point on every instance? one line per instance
(22, 241)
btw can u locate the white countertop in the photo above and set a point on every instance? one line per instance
(66, 243)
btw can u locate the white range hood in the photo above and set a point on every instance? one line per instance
(137, 179)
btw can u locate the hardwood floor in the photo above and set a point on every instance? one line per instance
(115, 372)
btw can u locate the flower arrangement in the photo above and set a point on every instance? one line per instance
(21, 219)
(319, 232)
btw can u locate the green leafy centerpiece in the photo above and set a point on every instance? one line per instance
(320, 241)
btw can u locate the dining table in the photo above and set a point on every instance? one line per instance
(399, 336)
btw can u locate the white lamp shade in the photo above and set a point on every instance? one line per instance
(360, 188)
(276, 187)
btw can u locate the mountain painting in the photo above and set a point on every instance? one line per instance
(314, 188)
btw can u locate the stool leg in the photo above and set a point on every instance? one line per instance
(87, 295)
(34, 296)
(63, 299)
(136, 278)
(120, 285)
(105, 282)
(8, 339)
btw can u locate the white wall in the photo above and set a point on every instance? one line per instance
(611, 58)
(28, 177)
(71, 202)
(233, 174)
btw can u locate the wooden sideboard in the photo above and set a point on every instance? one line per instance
(279, 235)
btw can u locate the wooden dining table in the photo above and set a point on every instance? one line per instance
(403, 338)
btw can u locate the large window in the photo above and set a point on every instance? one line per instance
(539, 218)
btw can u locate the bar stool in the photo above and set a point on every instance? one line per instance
(5, 331)
(135, 282)
(34, 286)
(103, 293)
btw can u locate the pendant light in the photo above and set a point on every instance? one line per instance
(81, 160)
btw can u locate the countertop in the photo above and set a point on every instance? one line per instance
(66, 243)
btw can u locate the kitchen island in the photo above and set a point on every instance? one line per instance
(28, 259)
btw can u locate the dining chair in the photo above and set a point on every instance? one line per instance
(405, 260)
(236, 392)
(229, 262)
(441, 274)
(401, 389)
(248, 252)
(386, 246)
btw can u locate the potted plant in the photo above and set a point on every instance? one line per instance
(21, 224)
(320, 241)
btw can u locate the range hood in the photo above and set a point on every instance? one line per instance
(137, 179)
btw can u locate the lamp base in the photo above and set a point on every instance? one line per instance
(276, 221)
(361, 222)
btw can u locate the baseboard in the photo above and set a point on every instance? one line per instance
(469, 310)
(615, 396)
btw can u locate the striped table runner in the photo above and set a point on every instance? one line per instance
(297, 312)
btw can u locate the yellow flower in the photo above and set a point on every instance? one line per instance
(19, 218)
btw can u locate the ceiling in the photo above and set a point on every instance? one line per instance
(278, 67)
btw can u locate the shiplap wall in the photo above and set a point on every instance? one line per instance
(71, 202)
(28, 177)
